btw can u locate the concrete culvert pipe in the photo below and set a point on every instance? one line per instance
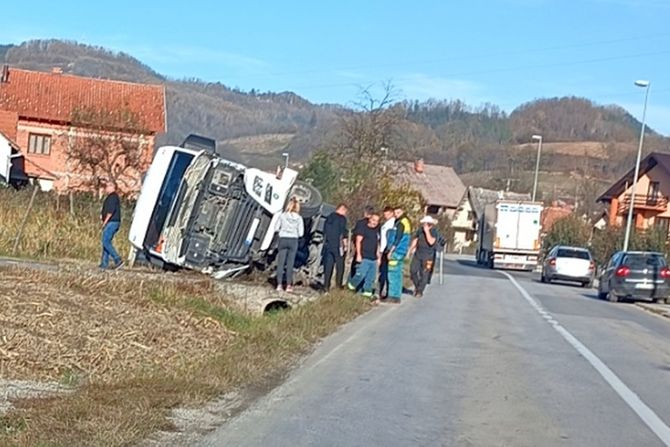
(276, 305)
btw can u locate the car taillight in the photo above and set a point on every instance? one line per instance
(552, 262)
(622, 272)
(665, 273)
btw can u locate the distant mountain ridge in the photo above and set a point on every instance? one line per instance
(255, 127)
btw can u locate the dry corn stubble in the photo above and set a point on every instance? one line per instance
(97, 327)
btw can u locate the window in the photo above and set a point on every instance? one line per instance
(570, 253)
(662, 224)
(39, 144)
(471, 215)
(654, 193)
(173, 177)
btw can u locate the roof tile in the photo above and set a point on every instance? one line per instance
(55, 97)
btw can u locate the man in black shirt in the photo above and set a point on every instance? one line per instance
(334, 246)
(367, 256)
(111, 220)
(359, 228)
(423, 246)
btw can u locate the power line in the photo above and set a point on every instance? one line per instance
(456, 59)
(501, 70)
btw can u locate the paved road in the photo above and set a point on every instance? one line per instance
(479, 361)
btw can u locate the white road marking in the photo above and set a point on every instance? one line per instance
(636, 404)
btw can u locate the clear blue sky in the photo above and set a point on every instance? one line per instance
(504, 52)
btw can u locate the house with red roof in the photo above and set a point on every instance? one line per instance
(650, 206)
(38, 113)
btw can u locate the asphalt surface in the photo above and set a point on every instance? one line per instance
(479, 361)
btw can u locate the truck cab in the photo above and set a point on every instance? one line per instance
(199, 211)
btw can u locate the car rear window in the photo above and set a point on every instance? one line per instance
(578, 254)
(636, 261)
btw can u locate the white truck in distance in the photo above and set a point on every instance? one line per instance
(202, 212)
(509, 235)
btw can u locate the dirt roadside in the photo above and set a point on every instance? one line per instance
(118, 358)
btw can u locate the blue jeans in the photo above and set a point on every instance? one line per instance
(108, 232)
(365, 273)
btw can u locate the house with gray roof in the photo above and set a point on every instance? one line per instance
(440, 186)
(470, 209)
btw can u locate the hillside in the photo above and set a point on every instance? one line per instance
(256, 127)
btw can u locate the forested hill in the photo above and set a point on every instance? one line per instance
(258, 126)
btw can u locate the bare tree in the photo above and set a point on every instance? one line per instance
(105, 145)
(367, 142)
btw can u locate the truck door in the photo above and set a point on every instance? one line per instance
(528, 228)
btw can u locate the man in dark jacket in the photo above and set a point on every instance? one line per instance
(111, 221)
(424, 247)
(334, 246)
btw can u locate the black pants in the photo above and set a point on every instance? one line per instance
(332, 259)
(420, 269)
(384, 275)
(286, 251)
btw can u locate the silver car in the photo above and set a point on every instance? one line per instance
(573, 264)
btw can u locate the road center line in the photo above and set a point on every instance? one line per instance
(636, 404)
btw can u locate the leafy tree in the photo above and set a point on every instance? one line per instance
(324, 174)
(570, 230)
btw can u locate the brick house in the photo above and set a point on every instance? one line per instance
(650, 208)
(38, 110)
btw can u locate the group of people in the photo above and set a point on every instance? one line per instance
(379, 249)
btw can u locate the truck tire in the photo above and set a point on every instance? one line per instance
(309, 197)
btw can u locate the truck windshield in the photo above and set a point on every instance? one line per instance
(175, 173)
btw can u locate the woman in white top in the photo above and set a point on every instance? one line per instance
(290, 227)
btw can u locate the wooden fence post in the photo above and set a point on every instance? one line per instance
(25, 219)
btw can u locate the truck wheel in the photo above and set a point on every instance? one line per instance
(309, 197)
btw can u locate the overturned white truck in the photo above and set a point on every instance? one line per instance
(201, 212)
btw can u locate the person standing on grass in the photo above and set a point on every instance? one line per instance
(386, 233)
(424, 247)
(397, 250)
(291, 228)
(111, 221)
(367, 257)
(334, 246)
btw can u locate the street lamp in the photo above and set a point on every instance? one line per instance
(537, 138)
(285, 155)
(631, 205)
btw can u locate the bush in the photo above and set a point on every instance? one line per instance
(570, 230)
(607, 242)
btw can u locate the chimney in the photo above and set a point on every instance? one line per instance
(4, 78)
(56, 70)
(419, 166)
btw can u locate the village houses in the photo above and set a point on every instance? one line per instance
(41, 115)
(439, 186)
(650, 206)
(470, 209)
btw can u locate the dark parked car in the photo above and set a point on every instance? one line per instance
(635, 275)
